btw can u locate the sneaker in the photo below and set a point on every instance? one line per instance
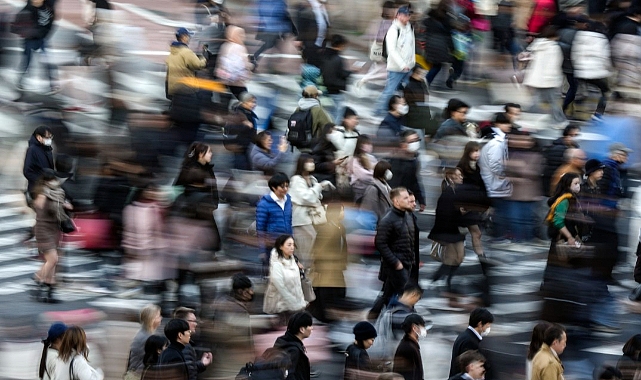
(597, 117)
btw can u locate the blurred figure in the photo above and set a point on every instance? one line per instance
(630, 362)
(274, 212)
(478, 327)
(612, 184)
(345, 136)
(311, 104)
(536, 342)
(575, 162)
(35, 22)
(50, 205)
(407, 359)
(242, 126)
(182, 63)
(412, 219)
(299, 328)
(73, 357)
(194, 365)
(274, 25)
(308, 212)
(376, 198)
(626, 44)
(544, 75)
(233, 67)
(357, 361)
(284, 294)
(404, 305)
(150, 319)
(455, 116)
(562, 203)
(417, 96)
(232, 328)
(39, 156)
(335, 75)
(212, 38)
(472, 364)
(154, 346)
(325, 157)
(360, 167)
(330, 261)
(206, 9)
(312, 23)
(546, 363)
(566, 38)
(610, 373)
(406, 166)
(392, 125)
(143, 236)
(50, 350)
(377, 32)
(446, 230)
(473, 184)
(400, 48)
(554, 154)
(436, 36)
(261, 156)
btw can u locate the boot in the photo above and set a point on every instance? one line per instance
(452, 270)
(49, 297)
(39, 290)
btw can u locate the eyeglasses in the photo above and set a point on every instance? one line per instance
(192, 320)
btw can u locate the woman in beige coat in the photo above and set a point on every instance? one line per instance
(233, 67)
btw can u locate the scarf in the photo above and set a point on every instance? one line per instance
(550, 215)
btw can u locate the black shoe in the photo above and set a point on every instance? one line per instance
(449, 83)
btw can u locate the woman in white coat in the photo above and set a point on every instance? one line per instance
(544, 74)
(73, 357)
(307, 209)
(233, 67)
(284, 294)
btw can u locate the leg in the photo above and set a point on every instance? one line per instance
(47, 273)
(49, 67)
(270, 41)
(394, 78)
(602, 84)
(475, 231)
(551, 96)
(434, 70)
(305, 237)
(536, 100)
(26, 60)
(571, 94)
(339, 107)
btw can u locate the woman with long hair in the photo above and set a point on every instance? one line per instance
(376, 198)
(50, 348)
(154, 346)
(360, 167)
(535, 345)
(564, 201)
(150, 319)
(473, 188)
(74, 354)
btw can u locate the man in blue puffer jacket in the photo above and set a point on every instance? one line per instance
(275, 23)
(274, 212)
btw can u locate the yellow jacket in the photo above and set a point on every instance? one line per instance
(181, 63)
(546, 365)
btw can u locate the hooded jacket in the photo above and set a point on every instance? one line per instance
(400, 47)
(38, 158)
(492, 164)
(181, 63)
(545, 68)
(233, 57)
(319, 116)
(300, 369)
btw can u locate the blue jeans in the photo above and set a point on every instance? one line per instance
(520, 217)
(338, 109)
(501, 217)
(30, 46)
(394, 79)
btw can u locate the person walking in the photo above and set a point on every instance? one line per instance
(376, 198)
(150, 319)
(194, 366)
(335, 75)
(274, 213)
(275, 24)
(261, 156)
(473, 184)
(536, 341)
(377, 32)
(436, 39)
(472, 364)
(182, 63)
(546, 364)
(39, 156)
(407, 358)
(73, 362)
(406, 166)
(178, 333)
(478, 327)
(299, 328)
(233, 67)
(50, 351)
(455, 115)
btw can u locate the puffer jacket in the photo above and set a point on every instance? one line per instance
(400, 47)
(274, 17)
(394, 241)
(591, 55)
(271, 220)
(492, 164)
(181, 63)
(626, 56)
(545, 68)
(284, 291)
(304, 199)
(300, 369)
(194, 365)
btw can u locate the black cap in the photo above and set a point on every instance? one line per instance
(349, 112)
(240, 281)
(593, 165)
(364, 331)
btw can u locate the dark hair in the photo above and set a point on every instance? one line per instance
(452, 106)
(610, 373)
(41, 130)
(325, 131)
(632, 348)
(396, 192)
(501, 118)
(239, 282)
(278, 243)
(552, 333)
(549, 31)
(563, 186)
(299, 320)
(300, 164)
(469, 357)
(392, 102)
(380, 168)
(569, 128)
(511, 105)
(482, 315)
(536, 340)
(407, 133)
(194, 152)
(447, 182)
(258, 140)
(359, 153)
(174, 327)
(338, 40)
(152, 345)
(277, 180)
(182, 312)
(464, 162)
(412, 287)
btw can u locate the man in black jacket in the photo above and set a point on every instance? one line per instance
(39, 156)
(479, 326)
(178, 333)
(335, 76)
(194, 366)
(395, 242)
(405, 166)
(299, 327)
(554, 155)
(407, 359)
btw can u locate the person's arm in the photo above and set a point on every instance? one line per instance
(277, 277)
(193, 62)
(383, 233)
(261, 161)
(495, 160)
(558, 221)
(83, 371)
(305, 195)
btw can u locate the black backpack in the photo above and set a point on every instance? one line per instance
(398, 31)
(299, 128)
(271, 365)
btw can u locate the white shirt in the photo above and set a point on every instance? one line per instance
(280, 202)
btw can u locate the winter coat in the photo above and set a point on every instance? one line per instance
(566, 37)
(137, 351)
(450, 127)
(38, 158)
(492, 163)
(419, 114)
(271, 220)
(264, 161)
(284, 291)
(357, 361)
(304, 198)
(319, 116)
(334, 73)
(274, 17)
(41, 19)
(344, 141)
(200, 197)
(546, 365)
(447, 218)
(300, 369)
(406, 168)
(82, 370)
(524, 170)
(390, 128)
(376, 198)
(437, 37)
(591, 55)
(465, 341)
(400, 47)
(324, 156)
(544, 70)
(194, 365)
(173, 354)
(407, 359)
(626, 57)
(611, 184)
(233, 56)
(330, 255)
(181, 63)
(394, 241)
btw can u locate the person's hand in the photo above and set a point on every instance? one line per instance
(399, 266)
(300, 266)
(67, 206)
(206, 359)
(406, 69)
(339, 161)
(572, 241)
(421, 208)
(283, 145)
(327, 185)
(462, 210)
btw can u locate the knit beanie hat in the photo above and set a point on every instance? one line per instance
(364, 331)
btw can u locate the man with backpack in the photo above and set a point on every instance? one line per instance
(299, 328)
(399, 50)
(308, 120)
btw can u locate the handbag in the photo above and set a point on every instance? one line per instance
(308, 289)
(567, 252)
(65, 223)
(376, 51)
(437, 251)
(318, 215)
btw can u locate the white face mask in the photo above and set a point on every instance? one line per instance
(47, 142)
(413, 146)
(486, 332)
(403, 109)
(388, 175)
(422, 332)
(309, 166)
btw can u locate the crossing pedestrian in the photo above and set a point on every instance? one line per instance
(233, 67)
(357, 361)
(376, 197)
(361, 166)
(478, 327)
(150, 319)
(299, 328)
(194, 366)
(39, 156)
(51, 347)
(407, 359)
(261, 156)
(73, 362)
(546, 364)
(536, 341)
(472, 364)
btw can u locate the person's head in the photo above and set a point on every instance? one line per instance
(44, 135)
(472, 362)
(570, 134)
(279, 184)
(300, 325)
(410, 141)
(569, 183)
(339, 42)
(513, 111)
(555, 338)
(610, 373)
(575, 157)
(594, 170)
(363, 145)
(404, 14)
(472, 152)
(632, 348)
(247, 101)
(419, 72)
(452, 178)
(412, 293)
(550, 32)
(389, 10)
(311, 91)
(412, 201)
(350, 119)
(382, 171)
(188, 315)
(242, 288)
(73, 340)
(305, 164)
(364, 334)
(285, 246)
(400, 198)
(536, 341)
(456, 110)
(481, 320)
(397, 106)
(154, 346)
(199, 152)
(263, 140)
(619, 152)
(53, 340)
(328, 129)
(502, 122)
(37, 3)
(414, 326)
(150, 317)
(183, 35)
(178, 331)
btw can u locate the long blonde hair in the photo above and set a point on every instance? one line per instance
(74, 340)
